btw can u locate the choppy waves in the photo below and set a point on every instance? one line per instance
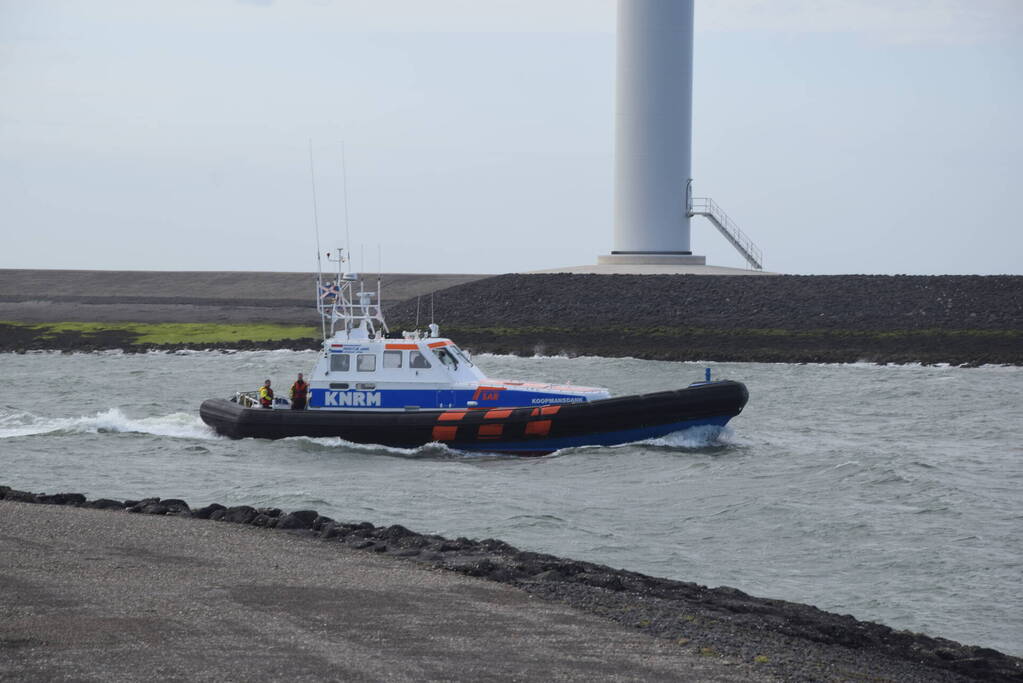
(19, 423)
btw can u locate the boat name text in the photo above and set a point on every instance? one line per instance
(358, 399)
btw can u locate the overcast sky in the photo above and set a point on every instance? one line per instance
(844, 136)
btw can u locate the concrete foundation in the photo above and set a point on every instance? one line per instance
(660, 268)
(653, 259)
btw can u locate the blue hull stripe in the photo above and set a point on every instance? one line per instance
(433, 398)
(597, 439)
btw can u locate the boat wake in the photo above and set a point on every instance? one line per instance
(19, 423)
(430, 451)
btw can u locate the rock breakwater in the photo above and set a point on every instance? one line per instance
(963, 320)
(955, 319)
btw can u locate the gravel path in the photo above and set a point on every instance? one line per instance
(99, 581)
(87, 595)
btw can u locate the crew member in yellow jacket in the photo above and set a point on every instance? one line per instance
(266, 395)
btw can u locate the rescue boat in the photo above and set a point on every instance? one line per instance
(370, 386)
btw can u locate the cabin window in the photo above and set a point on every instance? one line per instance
(417, 360)
(340, 362)
(446, 358)
(392, 359)
(367, 362)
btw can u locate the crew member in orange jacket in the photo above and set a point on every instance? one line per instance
(299, 393)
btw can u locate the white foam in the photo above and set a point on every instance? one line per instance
(337, 442)
(177, 425)
(695, 437)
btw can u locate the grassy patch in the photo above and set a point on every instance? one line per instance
(178, 333)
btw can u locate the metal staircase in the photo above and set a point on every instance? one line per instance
(705, 206)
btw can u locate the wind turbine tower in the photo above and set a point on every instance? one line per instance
(653, 141)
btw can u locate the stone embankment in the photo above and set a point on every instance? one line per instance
(954, 319)
(782, 639)
(957, 319)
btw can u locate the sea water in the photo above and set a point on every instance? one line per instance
(893, 493)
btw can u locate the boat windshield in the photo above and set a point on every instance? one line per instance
(461, 354)
(446, 358)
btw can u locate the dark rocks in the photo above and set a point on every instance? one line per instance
(606, 580)
(330, 530)
(320, 521)
(396, 532)
(7, 493)
(240, 514)
(300, 519)
(492, 545)
(20, 496)
(105, 504)
(176, 506)
(139, 506)
(61, 499)
(207, 512)
(263, 520)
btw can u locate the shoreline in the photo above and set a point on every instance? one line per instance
(271, 347)
(778, 638)
(958, 348)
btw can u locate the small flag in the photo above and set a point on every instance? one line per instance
(327, 291)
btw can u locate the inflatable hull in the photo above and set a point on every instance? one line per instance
(523, 431)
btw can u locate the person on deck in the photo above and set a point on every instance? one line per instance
(299, 393)
(266, 395)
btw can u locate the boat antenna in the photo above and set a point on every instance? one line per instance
(419, 300)
(432, 321)
(380, 261)
(344, 175)
(316, 225)
(316, 218)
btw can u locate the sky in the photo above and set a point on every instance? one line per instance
(476, 136)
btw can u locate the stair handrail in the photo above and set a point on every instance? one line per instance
(706, 206)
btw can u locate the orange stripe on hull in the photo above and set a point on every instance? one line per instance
(401, 347)
(550, 410)
(497, 414)
(452, 416)
(490, 431)
(538, 428)
(444, 433)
